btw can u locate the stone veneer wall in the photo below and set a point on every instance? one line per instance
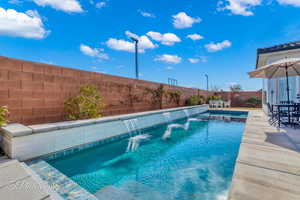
(35, 92)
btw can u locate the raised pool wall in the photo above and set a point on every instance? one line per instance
(28, 142)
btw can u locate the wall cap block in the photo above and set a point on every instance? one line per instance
(39, 128)
(16, 130)
(30, 142)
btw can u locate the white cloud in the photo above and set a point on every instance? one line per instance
(98, 53)
(120, 45)
(194, 60)
(295, 3)
(124, 45)
(64, 5)
(182, 20)
(146, 14)
(166, 39)
(213, 47)
(169, 68)
(195, 36)
(18, 24)
(202, 59)
(101, 4)
(167, 58)
(240, 7)
(17, 2)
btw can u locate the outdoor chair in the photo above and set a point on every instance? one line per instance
(296, 115)
(287, 102)
(283, 117)
(273, 115)
(227, 104)
(212, 104)
(220, 104)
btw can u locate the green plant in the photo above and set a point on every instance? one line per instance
(254, 102)
(156, 95)
(196, 100)
(214, 97)
(87, 104)
(174, 96)
(235, 88)
(3, 115)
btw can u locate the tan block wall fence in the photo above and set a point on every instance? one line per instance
(238, 99)
(35, 92)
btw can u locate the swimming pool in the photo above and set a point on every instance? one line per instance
(187, 159)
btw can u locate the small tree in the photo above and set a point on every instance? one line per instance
(174, 96)
(254, 102)
(236, 88)
(196, 100)
(3, 115)
(86, 105)
(214, 97)
(156, 95)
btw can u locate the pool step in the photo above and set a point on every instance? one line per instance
(141, 191)
(59, 182)
(113, 193)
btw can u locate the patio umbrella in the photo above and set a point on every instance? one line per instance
(283, 68)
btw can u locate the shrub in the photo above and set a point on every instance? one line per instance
(236, 88)
(254, 102)
(174, 96)
(86, 105)
(156, 95)
(214, 97)
(3, 115)
(195, 100)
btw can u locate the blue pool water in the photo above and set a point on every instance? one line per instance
(192, 164)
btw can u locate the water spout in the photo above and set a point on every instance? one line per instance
(132, 126)
(167, 116)
(134, 142)
(185, 126)
(186, 112)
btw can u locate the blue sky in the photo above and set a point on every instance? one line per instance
(181, 39)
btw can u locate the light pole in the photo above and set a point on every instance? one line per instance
(136, 41)
(206, 82)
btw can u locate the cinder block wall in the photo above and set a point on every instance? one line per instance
(35, 92)
(239, 99)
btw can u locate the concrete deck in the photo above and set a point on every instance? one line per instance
(17, 181)
(268, 164)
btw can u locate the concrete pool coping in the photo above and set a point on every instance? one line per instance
(29, 142)
(268, 164)
(19, 130)
(18, 181)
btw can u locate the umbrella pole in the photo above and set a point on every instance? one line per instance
(287, 84)
(288, 92)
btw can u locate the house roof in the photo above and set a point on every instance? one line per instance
(277, 48)
(280, 47)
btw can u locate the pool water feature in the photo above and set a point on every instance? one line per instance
(195, 162)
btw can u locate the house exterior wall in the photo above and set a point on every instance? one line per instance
(275, 89)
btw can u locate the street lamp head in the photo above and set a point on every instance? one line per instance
(134, 39)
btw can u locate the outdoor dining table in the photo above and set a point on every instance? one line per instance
(288, 107)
